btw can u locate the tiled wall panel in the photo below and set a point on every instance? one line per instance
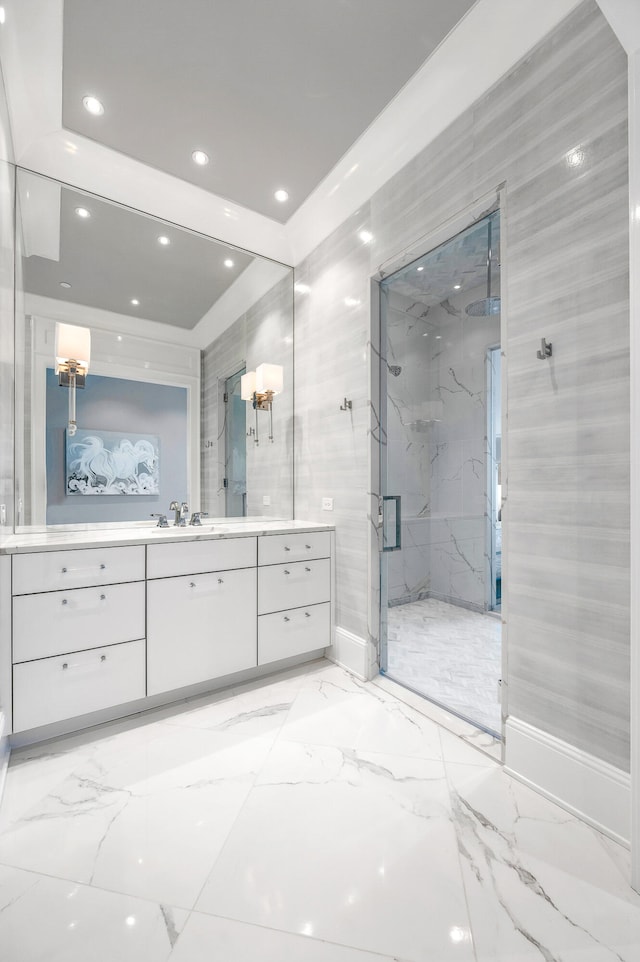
(554, 131)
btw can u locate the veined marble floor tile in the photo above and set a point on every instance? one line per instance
(148, 821)
(540, 883)
(49, 920)
(239, 942)
(316, 818)
(337, 709)
(450, 654)
(353, 848)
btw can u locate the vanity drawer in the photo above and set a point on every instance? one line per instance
(192, 557)
(56, 570)
(53, 689)
(278, 548)
(61, 621)
(287, 633)
(293, 585)
(200, 627)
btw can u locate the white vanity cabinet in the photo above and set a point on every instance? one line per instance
(294, 598)
(76, 649)
(203, 625)
(91, 629)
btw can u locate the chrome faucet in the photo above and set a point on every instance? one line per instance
(195, 517)
(181, 513)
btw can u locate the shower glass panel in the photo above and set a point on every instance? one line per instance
(440, 402)
(235, 448)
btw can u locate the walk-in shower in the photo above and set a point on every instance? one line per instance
(441, 407)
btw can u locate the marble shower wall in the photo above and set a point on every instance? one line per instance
(437, 448)
(554, 130)
(263, 334)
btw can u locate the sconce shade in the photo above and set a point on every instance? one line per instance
(247, 385)
(269, 377)
(73, 344)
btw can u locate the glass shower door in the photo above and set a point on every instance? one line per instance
(235, 448)
(440, 318)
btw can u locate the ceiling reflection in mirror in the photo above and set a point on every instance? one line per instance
(174, 317)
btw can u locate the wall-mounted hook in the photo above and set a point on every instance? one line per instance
(545, 350)
(346, 405)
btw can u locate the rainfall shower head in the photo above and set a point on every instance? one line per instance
(490, 304)
(394, 369)
(484, 307)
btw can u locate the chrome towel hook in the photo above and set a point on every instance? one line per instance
(545, 350)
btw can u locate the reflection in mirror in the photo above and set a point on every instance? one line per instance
(175, 318)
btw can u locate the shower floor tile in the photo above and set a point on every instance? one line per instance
(449, 654)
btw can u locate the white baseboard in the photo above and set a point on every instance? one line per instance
(589, 788)
(5, 751)
(351, 652)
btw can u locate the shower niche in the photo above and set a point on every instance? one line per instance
(440, 387)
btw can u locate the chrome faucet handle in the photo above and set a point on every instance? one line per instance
(195, 517)
(162, 520)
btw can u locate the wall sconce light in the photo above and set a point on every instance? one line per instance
(260, 387)
(73, 351)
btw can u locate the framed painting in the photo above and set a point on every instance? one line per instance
(112, 462)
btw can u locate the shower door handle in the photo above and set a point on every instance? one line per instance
(391, 522)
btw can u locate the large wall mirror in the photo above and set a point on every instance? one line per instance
(175, 320)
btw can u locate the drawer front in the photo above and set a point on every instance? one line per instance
(279, 548)
(287, 633)
(57, 570)
(193, 557)
(294, 585)
(53, 689)
(61, 621)
(200, 627)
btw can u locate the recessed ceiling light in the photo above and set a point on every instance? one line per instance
(228, 262)
(93, 105)
(438, 337)
(119, 338)
(135, 301)
(2, 15)
(199, 157)
(457, 287)
(65, 284)
(365, 236)
(163, 240)
(421, 268)
(83, 212)
(281, 195)
(575, 157)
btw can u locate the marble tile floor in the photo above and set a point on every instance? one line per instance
(450, 654)
(310, 817)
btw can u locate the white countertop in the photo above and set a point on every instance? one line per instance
(147, 532)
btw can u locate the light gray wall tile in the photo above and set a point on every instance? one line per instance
(566, 280)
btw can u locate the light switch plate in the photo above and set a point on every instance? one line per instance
(266, 499)
(327, 504)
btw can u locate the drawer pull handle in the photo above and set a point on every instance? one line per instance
(66, 571)
(287, 572)
(286, 548)
(307, 615)
(64, 601)
(287, 618)
(308, 547)
(220, 581)
(65, 665)
(103, 597)
(103, 657)
(192, 584)
(307, 569)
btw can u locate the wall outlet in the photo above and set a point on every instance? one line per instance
(3, 514)
(327, 504)
(266, 499)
